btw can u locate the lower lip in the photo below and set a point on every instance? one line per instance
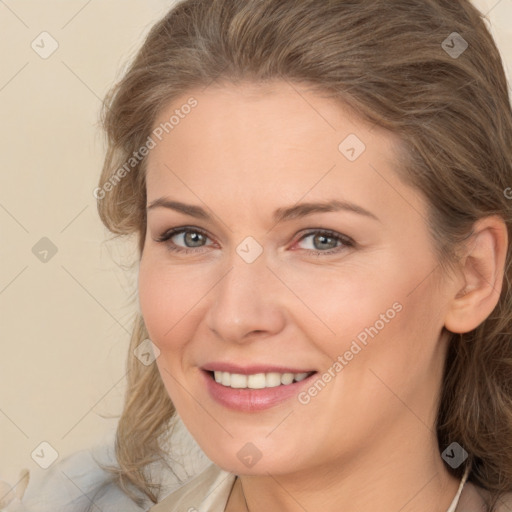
(250, 400)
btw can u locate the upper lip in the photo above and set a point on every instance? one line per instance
(252, 369)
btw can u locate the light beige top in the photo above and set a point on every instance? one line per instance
(210, 490)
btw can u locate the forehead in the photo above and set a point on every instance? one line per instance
(248, 141)
(280, 118)
(276, 106)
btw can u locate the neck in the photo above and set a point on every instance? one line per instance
(397, 477)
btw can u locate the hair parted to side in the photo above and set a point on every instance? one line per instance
(385, 60)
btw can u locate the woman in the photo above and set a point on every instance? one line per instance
(319, 194)
(323, 227)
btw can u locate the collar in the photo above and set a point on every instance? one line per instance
(209, 492)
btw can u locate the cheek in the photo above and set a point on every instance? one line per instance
(164, 299)
(172, 300)
(338, 306)
(402, 353)
(389, 320)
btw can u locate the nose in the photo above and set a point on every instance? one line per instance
(247, 303)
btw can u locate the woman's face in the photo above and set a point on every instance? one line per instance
(260, 284)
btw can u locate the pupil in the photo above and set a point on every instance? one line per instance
(323, 238)
(196, 236)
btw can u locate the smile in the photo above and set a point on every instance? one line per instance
(258, 380)
(256, 389)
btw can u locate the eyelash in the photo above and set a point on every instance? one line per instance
(346, 241)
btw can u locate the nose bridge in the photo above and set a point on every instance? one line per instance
(246, 300)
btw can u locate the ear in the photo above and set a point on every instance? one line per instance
(482, 267)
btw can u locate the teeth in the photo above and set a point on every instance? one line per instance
(257, 380)
(272, 380)
(286, 378)
(235, 380)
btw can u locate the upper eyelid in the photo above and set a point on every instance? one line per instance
(169, 233)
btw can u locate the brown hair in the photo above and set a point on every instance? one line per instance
(387, 61)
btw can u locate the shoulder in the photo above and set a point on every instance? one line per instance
(474, 499)
(207, 491)
(76, 483)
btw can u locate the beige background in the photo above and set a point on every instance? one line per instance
(65, 322)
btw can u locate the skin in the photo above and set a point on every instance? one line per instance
(367, 440)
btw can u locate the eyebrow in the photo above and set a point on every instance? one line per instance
(280, 215)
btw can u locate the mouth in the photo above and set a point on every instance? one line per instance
(259, 380)
(257, 389)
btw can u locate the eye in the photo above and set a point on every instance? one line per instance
(189, 240)
(329, 242)
(192, 238)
